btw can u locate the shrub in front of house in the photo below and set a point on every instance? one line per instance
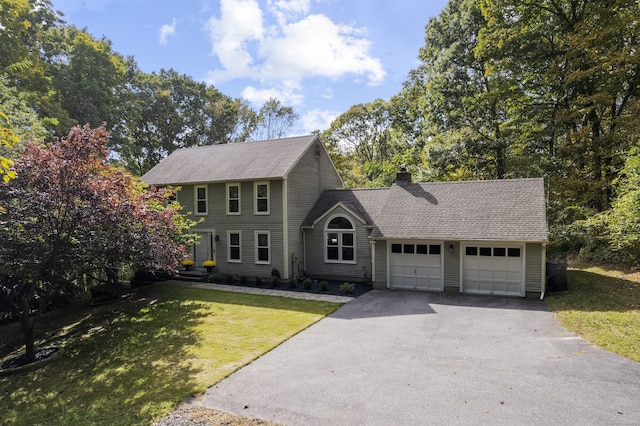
(307, 283)
(215, 278)
(230, 279)
(275, 282)
(293, 283)
(244, 280)
(347, 288)
(324, 286)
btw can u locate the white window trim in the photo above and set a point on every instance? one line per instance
(206, 200)
(229, 259)
(255, 198)
(340, 232)
(227, 199)
(255, 238)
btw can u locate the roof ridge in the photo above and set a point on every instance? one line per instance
(244, 142)
(359, 189)
(462, 182)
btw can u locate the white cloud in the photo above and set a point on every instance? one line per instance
(284, 10)
(167, 31)
(327, 93)
(316, 46)
(240, 22)
(318, 120)
(288, 47)
(289, 97)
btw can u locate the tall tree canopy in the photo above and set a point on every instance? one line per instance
(274, 120)
(574, 76)
(369, 144)
(509, 88)
(454, 106)
(67, 77)
(91, 79)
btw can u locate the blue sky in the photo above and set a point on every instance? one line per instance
(318, 56)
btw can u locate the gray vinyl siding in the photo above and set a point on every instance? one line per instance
(311, 175)
(451, 266)
(316, 265)
(533, 271)
(381, 258)
(247, 222)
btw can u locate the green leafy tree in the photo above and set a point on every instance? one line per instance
(453, 105)
(274, 120)
(91, 80)
(27, 43)
(68, 214)
(623, 219)
(366, 137)
(7, 141)
(574, 76)
(167, 111)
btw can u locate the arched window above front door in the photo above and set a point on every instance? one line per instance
(340, 241)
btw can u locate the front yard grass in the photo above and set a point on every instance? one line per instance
(132, 363)
(603, 307)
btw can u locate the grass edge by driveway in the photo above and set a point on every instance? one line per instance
(602, 305)
(184, 340)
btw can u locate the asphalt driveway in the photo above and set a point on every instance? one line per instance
(407, 358)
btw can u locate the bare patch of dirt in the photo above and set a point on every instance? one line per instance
(192, 415)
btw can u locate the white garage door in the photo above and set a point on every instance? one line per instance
(416, 265)
(493, 269)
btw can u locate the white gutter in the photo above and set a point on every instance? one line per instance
(373, 261)
(543, 271)
(285, 227)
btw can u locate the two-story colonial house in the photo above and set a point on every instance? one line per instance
(279, 204)
(250, 199)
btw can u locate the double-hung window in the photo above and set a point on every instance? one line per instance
(234, 246)
(340, 244)
(263, 247)
(201, 199)
(233, 198)
(262, 201)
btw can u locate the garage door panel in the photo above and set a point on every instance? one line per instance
(500, 276)
(500, 287)
(485, 275)
(514, 276)
(493, 269)
(416, 266)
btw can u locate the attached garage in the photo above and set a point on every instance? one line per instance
(478, 237)
(416, 265)
(493, 269)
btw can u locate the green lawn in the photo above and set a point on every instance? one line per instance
(132, 363)
(603, 307)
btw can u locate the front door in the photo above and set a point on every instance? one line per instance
(205, 248)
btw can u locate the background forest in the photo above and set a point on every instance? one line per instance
(503, 89)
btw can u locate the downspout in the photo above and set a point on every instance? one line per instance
(373, 261)
(304, 251)
(543, 273)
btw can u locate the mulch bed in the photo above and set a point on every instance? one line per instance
(333, 287)
(19, 363)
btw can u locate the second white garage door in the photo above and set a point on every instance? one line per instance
(416, 265)
(493, 269)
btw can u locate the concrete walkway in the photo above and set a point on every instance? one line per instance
(265, 291)
(407, 358)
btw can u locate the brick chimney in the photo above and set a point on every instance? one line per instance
(403, 177)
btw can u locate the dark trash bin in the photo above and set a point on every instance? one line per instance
(556, 276)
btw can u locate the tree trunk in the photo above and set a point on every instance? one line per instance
(28, 327)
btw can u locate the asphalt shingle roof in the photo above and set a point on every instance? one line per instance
(239, 161)
(509, 209)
